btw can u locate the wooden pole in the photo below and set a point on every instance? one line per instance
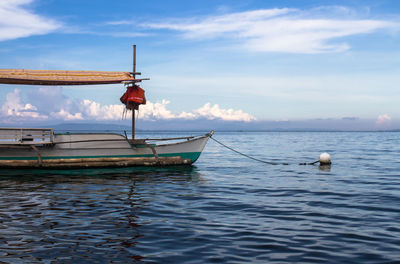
(134, 60)
(134, 76)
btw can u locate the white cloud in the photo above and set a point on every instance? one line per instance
(64, 115)
(207, 111)
(15, 109)
(213, 26)
(94, 110)
(215, 112)
(156, 111)
(17, 21)
(59, 107)
(119, 22)
(383, 120)
(279, 30)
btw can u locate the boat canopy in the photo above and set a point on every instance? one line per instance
(54, 77)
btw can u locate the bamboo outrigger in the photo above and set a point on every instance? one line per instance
(42, 148)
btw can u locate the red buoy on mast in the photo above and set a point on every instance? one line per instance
(133, 97)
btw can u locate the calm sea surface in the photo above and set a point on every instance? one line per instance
(225, 209)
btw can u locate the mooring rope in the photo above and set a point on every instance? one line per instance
(259, 160)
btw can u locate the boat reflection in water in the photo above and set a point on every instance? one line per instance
(93, 214)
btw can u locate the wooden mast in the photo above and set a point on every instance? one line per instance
(134, 76)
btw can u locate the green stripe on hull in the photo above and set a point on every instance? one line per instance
(193, 156)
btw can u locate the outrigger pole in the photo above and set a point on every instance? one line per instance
(134, 76)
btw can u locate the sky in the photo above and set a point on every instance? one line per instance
(231, 61)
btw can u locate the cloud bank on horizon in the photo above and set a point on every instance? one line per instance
(16, 111)
(51, 104)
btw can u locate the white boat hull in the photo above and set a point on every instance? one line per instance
(100, 150)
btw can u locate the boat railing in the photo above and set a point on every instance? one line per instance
(26, 136)
(169, 139)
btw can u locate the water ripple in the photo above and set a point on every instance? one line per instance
(223, 210)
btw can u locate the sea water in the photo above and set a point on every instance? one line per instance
(225, 209)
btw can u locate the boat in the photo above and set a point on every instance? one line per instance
(44, 148)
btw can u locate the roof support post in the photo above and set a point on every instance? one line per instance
(134, 76)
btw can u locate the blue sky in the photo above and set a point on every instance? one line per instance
(246, 61)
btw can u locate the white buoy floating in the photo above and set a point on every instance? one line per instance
(325, 159)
